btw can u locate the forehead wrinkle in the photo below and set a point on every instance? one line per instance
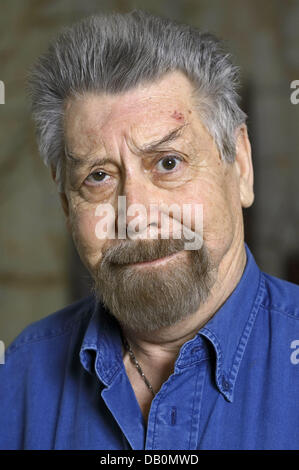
(155, 144)
(87, 158)
(78, 160)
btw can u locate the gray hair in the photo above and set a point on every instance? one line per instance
(115, 52)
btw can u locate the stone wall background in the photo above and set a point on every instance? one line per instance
(39, 270)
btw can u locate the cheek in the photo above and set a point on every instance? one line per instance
(89, 246)
(212, 212)
(220, 224)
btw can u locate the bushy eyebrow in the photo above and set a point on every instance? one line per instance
(147, 149)
(154, 145)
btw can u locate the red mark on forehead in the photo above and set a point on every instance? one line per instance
(178, 116)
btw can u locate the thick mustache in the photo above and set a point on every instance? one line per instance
(138, 251)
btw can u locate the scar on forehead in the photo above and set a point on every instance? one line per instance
(178, 116)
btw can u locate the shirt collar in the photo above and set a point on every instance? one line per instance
(101, 347)
(229, 329)
(228, 332)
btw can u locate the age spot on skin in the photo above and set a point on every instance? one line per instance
(178, 116)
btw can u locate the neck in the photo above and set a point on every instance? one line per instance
(161, 347)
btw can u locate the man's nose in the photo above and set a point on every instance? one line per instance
(138, 208)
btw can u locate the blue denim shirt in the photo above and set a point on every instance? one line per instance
(235, 384)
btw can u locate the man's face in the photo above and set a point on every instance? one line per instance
(117, 148)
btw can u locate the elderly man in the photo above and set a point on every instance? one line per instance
(180, 345)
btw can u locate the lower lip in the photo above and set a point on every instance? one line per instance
(156, 261)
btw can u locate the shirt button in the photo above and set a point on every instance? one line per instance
(225, 384)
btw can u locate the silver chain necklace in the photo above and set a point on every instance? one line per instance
(138, 366)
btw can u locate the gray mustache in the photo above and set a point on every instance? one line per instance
(137, 251)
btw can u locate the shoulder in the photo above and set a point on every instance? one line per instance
(55, 325)
(277, 325)
(36, 372)
(280, 296)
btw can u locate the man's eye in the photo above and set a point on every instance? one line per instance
(95, 178)
(165, 165)
(168, 163)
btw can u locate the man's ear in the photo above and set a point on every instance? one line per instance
(243, 163)
(63, 199)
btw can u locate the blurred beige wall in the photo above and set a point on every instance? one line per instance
(36, 252)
